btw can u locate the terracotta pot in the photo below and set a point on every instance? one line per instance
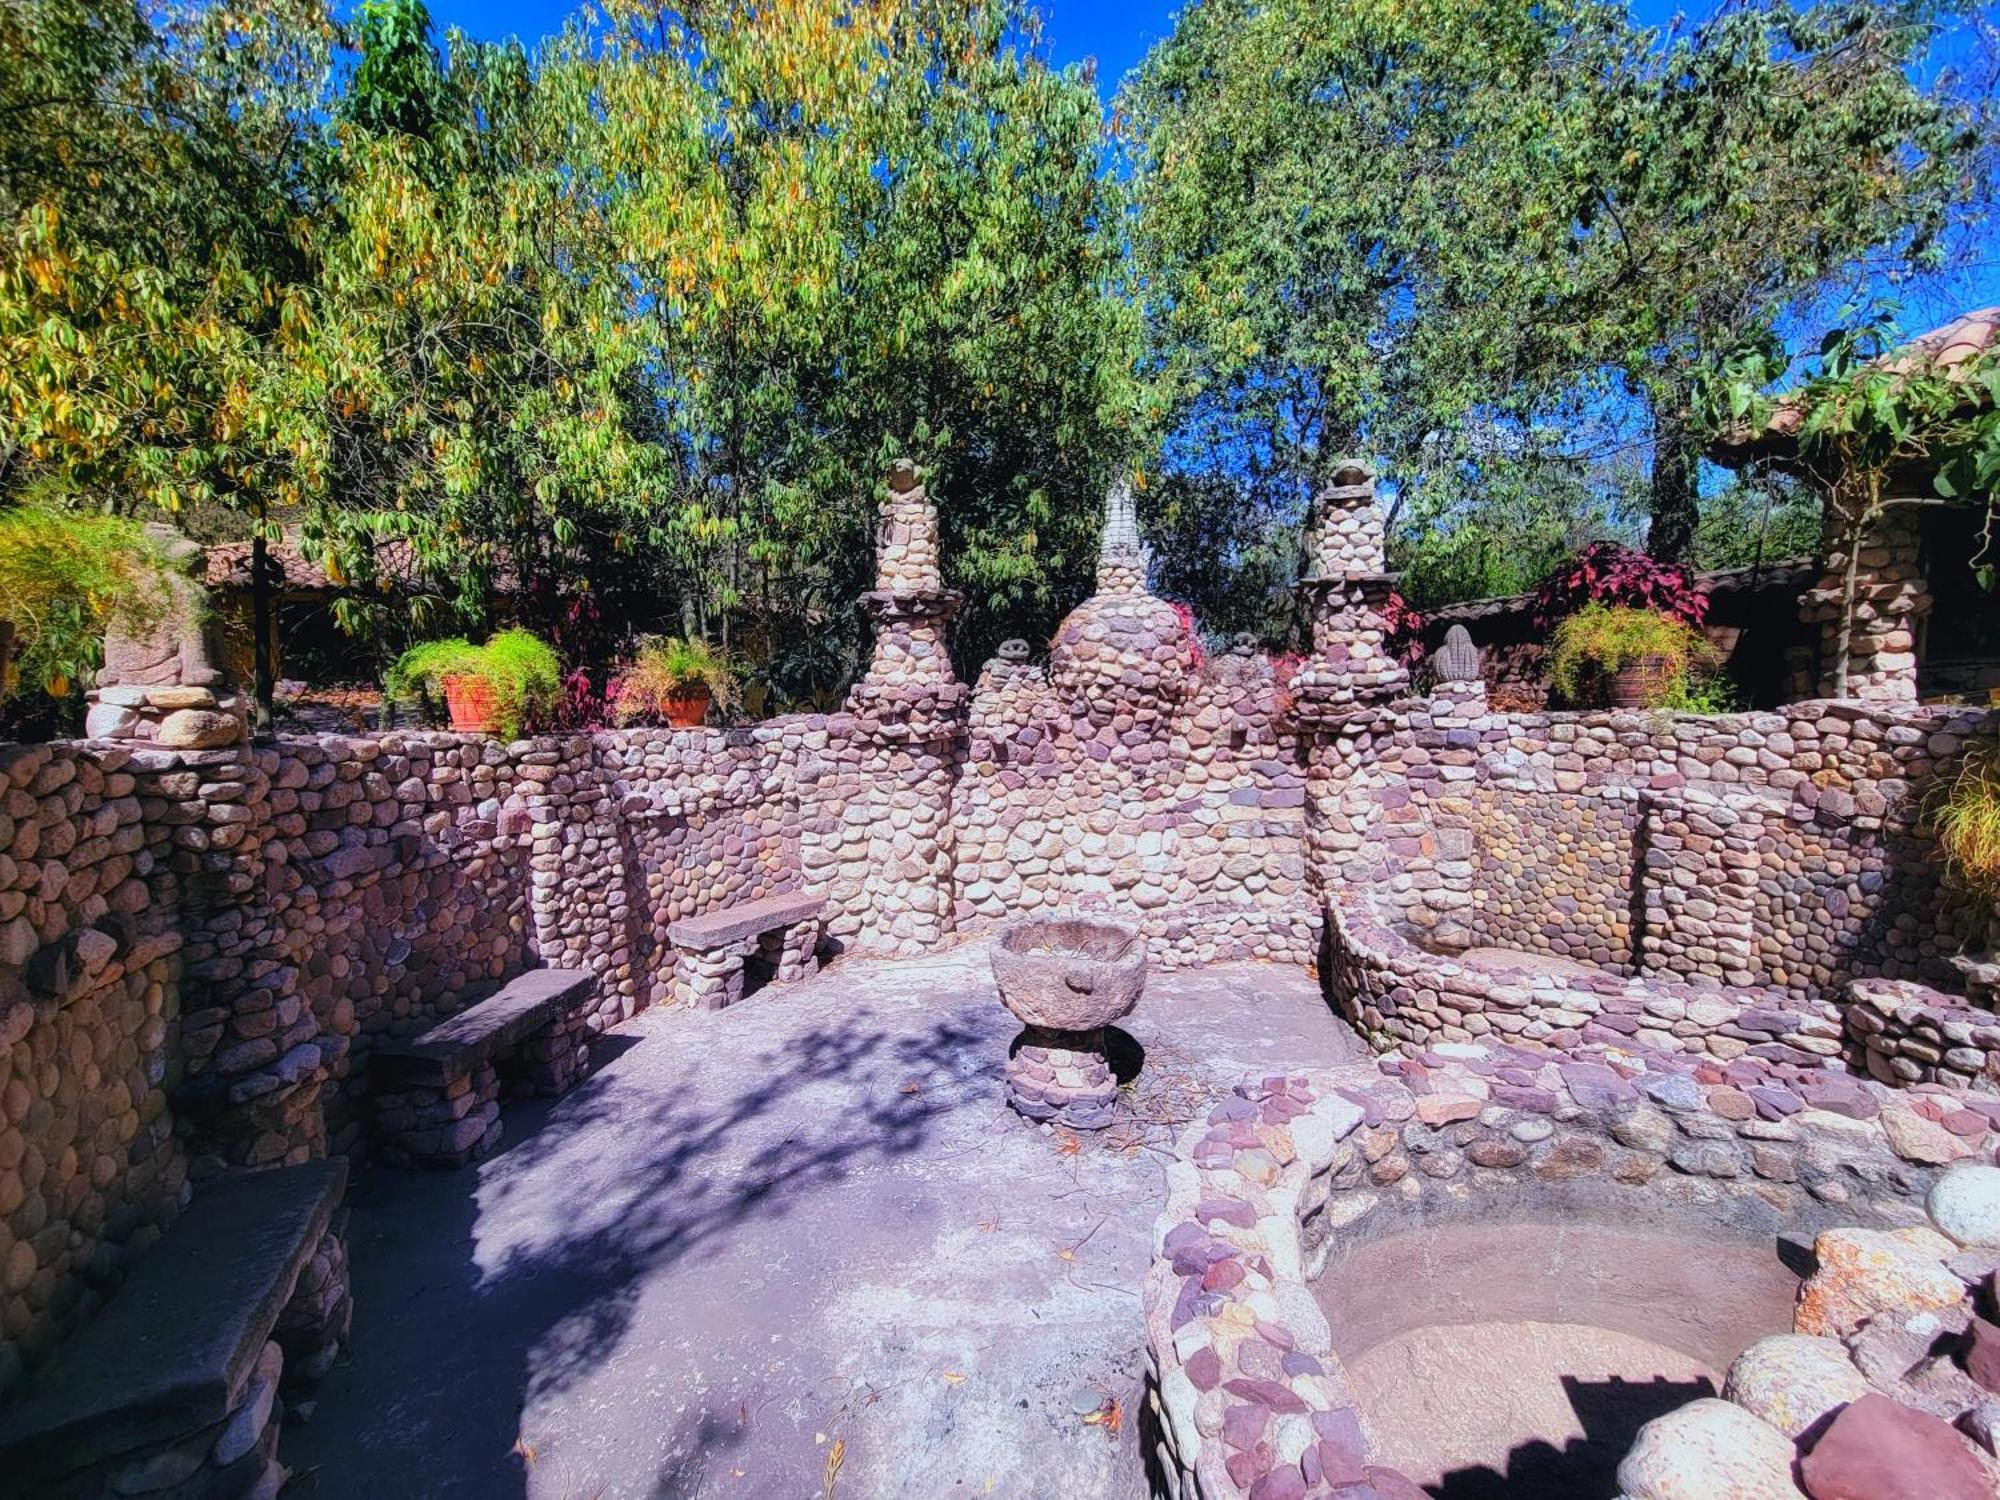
(474, 709)
(1642, 683)
(687, 705)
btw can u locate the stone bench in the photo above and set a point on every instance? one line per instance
(172, 1388)
(437, 1096)
(718, 943)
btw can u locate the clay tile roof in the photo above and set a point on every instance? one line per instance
(227, 566)
(1946, 348)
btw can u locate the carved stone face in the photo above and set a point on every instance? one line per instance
(1243, 643)
(1014, 650)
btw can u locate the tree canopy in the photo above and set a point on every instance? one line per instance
(1457, 236)
(618, 335)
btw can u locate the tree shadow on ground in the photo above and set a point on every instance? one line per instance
(482, 1292)
(1611, 1412)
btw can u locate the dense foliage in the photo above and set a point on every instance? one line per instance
(1964, 811)
(1605, 573)
(66, 578)
(618, 337)
(641, 319)
(1484, 240)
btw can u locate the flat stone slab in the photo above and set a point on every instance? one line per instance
(170, 1352)
(730, 924)
(480, 1032)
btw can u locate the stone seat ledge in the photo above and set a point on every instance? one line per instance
(172, 1351)
(523, 1006)
(731, 924)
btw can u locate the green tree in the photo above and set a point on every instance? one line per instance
(1318, 188)
(1727, 179)
(1380, 226)
(848, 232)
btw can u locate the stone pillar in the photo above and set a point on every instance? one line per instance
(908, 714)
(1891, 600)
(1340, 696)
(252, 1055)
(1346, 593)
(578, 905)
(165, 687)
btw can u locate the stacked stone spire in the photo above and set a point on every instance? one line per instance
(1122, 558)
(1351, 664)
(909, 691)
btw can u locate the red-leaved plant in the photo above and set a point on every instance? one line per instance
(1283, 669)
(1619, 577)
(581, 709)
(1190, 630)
(1406, 630)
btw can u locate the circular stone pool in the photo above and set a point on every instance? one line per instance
(1518, 1358)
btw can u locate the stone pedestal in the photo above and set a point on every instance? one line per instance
(1066, 979)
(1063, 1077)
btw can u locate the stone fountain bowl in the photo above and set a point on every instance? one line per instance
(1069, 973)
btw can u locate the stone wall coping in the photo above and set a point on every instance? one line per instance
(173, 1349)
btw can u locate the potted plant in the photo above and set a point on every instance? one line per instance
(674, 679)
(496, 688)
(1618, 657)
(1963, 809)
(65, 578)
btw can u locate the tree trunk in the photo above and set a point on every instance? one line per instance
(1676, 491)
(264, 669)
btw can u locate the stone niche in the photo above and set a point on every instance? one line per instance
(163, 687)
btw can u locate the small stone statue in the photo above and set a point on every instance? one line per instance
(1458, 659)
(1014, 651)
(1243, 643)
(165, 686)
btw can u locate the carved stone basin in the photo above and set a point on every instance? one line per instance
(1069, 973)
(1066, 979)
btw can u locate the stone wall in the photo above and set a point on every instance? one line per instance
(90, 1173)
(1192, 828)
(1782, 850)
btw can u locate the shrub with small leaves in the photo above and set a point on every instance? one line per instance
(1597, 641)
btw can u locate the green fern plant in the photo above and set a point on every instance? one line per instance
(520, 668)
(1598, 640)
(65, 578)
(665, 666)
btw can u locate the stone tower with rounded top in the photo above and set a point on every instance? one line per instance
(1123, 654)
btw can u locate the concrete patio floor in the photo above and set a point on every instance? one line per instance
(797, 1248)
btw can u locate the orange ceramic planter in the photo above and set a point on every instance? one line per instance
(474, 709)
